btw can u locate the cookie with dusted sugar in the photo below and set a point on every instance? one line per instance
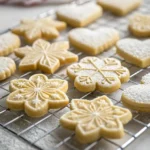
(45, 28)
(135, 51)
(95, 118)
(93, 42)
(92, 73)
(45, 56)
(37, 95)
(120, 7)
(7, 67)
(137, 97)
(140, 25)
(8, 43)
(79, 16)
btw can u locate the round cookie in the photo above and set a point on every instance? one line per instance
(7, 67)
(8, 43)
(137, 97)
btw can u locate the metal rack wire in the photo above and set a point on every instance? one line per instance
(46, 133)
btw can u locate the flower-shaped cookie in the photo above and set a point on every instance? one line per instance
(92, 73)
(45, 28)
(8, 42)
(96, 118)
(137, 97)
(37, 95)
(135, 51)
(45, 56)
(140, 25)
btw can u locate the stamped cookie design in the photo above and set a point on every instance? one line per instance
(140, 25)
(93, 42)
(45, 56)
(135, 51)
(79, 16)
(37, 95)
(96, 118)
(8, 42)
(137, 97)
(44, 28)
(92, 73)
(7, 67)
(120, 7)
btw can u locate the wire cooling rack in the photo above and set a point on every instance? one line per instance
(20, 132)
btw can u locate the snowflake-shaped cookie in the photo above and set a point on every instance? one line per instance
(92, 73)
(8, 42)
(96, 118)
(37, 95)
(45, 28)
(137, 97)
(140, 25)
(45, 56)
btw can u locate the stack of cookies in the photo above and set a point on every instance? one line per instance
(89, 119)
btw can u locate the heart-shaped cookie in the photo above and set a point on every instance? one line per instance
(140, 25)
(79, 16)
(93, 42)
(120, 7)
(137, 97)
(135, 51)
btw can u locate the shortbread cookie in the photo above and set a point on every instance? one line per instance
(135, 51)
(45, 56)
(8, 42)
(120, 7)
(93, 42)
(92, 73)
(96, 118)
(7, 67)
(44, 28)
(140, 25)
(37, 95)
(79, 16)
(137, 97)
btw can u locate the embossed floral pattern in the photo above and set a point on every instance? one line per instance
(45, 56)
(42, 28)
(95, 118)
(37, 95)
(93, 73)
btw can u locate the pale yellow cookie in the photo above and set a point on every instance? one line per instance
(37, 95)
(45, 56)
(137, 97)
(45, 28)
(140, 25)
(8, 42)
(7, 67)
(96, 118)
(93, 42)
(135, 51)
(120, 7)
(92, 73)
(79, 16)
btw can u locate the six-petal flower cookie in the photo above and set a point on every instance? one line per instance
(8, 43)
(92, 73)
(137, 97)
(37, 95)
(140, 25)
(45, 56)
(135, 51)
(96, 118)
(45, 28)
